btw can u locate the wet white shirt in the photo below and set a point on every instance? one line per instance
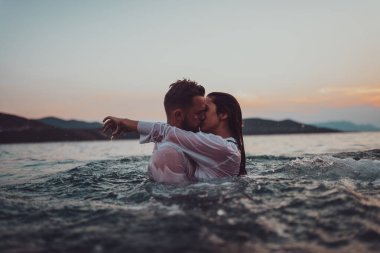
(181, 155)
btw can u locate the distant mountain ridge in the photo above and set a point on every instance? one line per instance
(15, 129)
(347, 126)
(256, 126)
(70, 124)
(251, 126)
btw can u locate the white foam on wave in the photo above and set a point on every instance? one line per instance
(330, 167)
(316, 161)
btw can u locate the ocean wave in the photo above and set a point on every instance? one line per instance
(313, 203)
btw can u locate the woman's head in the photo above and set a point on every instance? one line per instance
(224, 107)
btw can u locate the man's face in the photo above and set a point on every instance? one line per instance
(195, 114)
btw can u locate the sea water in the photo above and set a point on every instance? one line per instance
(303, 193)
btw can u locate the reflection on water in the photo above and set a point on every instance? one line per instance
(299, 144)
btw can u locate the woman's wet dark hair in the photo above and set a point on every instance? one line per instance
(226, 103)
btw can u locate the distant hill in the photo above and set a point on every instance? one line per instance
(263, 126)
(347, 126)
(15, 129)
(70, 124)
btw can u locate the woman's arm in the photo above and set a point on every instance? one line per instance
(206, 145)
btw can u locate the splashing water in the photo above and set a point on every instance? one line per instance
(294, 204)
(308, 203)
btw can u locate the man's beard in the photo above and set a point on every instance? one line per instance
(186, 126)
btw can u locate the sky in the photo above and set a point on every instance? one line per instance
(310, 61)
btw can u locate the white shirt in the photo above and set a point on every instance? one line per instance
(179, 155)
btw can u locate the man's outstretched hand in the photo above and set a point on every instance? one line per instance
(113, 123)
(118, 125)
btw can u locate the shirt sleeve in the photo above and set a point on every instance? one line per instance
(151, 131)
(207, 149)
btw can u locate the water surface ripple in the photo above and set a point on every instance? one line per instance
(310, 203)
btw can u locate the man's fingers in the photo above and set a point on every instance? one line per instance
(117, 131)
(108, 124)
(107, 118)
(106, 127)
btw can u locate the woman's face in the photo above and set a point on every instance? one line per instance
(211, 121)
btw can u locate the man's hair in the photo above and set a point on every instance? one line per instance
(181, 93)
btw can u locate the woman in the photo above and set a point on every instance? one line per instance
(217, 151)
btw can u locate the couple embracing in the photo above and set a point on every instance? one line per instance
(202, 138)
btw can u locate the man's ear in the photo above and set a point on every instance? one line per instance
(178, 115)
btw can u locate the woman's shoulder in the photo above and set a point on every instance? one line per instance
(228, 142)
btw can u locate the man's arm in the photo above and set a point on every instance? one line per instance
(119, 125)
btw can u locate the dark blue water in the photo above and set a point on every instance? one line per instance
(309, 203)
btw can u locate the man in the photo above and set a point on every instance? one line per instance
(185, 108)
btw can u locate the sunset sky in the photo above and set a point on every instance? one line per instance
(309, 61)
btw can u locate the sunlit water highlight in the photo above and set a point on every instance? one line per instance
(303, 193)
